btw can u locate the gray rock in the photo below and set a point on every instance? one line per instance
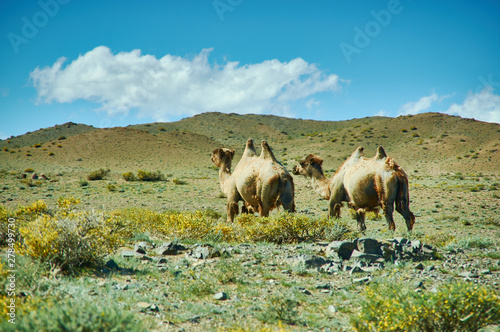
(111, 264)
(484, 272)
(309, 261)
(430, 268)
(162, 261)
(418, 284)
(324, 286)
(143, 306)
(416, 245)
(330, 267)
(369, 246)
(371, 258)
(169, 248)
(305, 292)
(128, 253)
(364, 280)
(221, 296)
(468, 274)
(332, 309)
(419, 266)
(342, 248)
(205, 252)
(402, 240)
(356, 269)
(142, 247)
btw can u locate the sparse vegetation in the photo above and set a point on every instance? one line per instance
(453, 307)
(129, 176)
(98, 174)
(150, 176)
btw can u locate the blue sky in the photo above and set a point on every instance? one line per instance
(121, 62)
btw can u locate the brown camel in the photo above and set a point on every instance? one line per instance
(262, 183)
(365, 184)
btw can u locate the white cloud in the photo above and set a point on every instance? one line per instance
(422, 105)
(311, 103)
(484, 106)
(175, 85)
(382, 113)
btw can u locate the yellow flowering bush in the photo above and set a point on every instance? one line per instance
(290, 228)
(457, 306)
(18, 217)
(31, 211)
(82, 239)
(281, 228)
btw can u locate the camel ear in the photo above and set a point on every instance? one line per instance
(232, 153)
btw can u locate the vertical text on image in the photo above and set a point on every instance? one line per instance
(11, 279)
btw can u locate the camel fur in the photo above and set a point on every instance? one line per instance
(261, 182)
(366, 184)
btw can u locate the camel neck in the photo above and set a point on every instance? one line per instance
(224, 175)
(321, 186)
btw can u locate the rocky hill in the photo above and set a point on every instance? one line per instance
(430, 143)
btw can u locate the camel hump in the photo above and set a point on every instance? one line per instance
(380, 153)
(358, 153)
(249, 148)
(266, 152)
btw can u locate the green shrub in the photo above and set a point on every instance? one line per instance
(179, 182)
(29, 170)
(282, 309)
(291, 228)
(75, 315)
(129, 176)
(149, 176)
(454, 307)
(83, 183)
(98, 174)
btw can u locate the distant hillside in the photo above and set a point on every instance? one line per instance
(424, 143)
(58, 132)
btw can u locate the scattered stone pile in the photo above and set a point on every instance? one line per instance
(365, 255)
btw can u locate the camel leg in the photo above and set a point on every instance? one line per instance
(232, 210)
(408, 215)
(264, 209)
(232, 206)
(334, 209)
(360, 217)
(388, 211)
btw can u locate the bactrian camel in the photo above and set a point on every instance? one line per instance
(366, 184)
(261, 182)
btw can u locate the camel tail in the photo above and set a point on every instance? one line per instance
(403, 195)
(287, 190)
(403, 199)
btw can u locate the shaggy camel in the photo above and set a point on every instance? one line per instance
(365, 184)
(262, 183)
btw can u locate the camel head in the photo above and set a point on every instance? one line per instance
(312, 163)
(222, 156)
